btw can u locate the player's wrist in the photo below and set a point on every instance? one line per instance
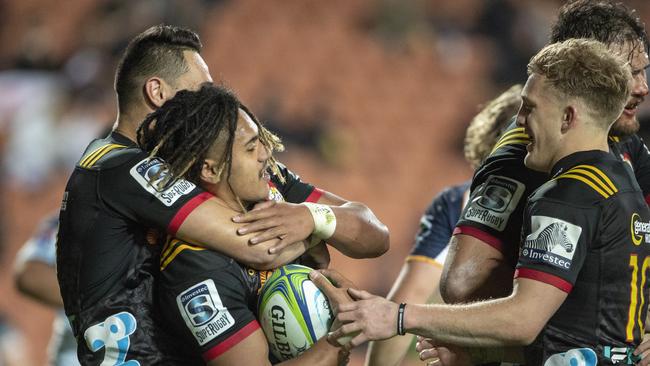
(324, 220)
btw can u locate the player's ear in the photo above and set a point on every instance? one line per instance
(568, 118)
(156, 92)
(210, 171)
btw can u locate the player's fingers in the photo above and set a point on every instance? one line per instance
(423, 344)
(337, 278)
(251, 216)
(348, 306)
(428, 354)
(360, 294)
(259, 225)
(263, 205)
(357, 341)
(322, 283)
(645, 359)
(268, 234)
(644, 346)
(346, 316)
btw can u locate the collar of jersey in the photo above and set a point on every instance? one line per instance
(121, 139)
(578, 158)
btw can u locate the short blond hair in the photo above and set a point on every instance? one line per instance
(586, 69)
(486, 127)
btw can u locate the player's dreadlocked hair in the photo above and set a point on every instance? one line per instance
(182, 131)
(603, 20)
(486, 127)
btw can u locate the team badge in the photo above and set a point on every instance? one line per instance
(154, 176)
(552, 241)
(493, 202)
(113, 336)
(203, 311)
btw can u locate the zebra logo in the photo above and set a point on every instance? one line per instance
(553, 235)
(552, 241)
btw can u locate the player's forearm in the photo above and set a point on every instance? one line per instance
(38, 281)
(494, 323)
(390, 352)
(358, 234)
(321, 354)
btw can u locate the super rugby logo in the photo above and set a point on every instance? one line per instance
(154, 176)
(203, 311)
(493, 202)
(552, 241)
(639, 230)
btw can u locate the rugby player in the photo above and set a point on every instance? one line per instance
(578, 293)
(485, 245)
(419, 277)
(105, 266)
(207, 299)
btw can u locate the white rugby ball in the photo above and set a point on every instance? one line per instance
(292, 311)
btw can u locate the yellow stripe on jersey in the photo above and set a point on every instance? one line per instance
(602, 175)
(599, 181)
(168, 248)
(512, 137)
(423, 259)
(614, 138)
(93, 157)
(164, 263)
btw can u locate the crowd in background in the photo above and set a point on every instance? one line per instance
(372, 98)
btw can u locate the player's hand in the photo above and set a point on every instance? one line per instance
(643, 350)
(369, 318)
(344, 357)
(318, 257)
(334, 286)
(270, 219)
(441, 355)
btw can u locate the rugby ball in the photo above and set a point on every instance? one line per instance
(292, 311)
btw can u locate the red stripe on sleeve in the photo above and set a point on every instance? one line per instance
(540, 276)
(231, 341)
(647, 199)
(184, 211)
(315, 195)
(481, 235)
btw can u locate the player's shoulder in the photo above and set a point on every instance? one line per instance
(109, 152)
(594, 177)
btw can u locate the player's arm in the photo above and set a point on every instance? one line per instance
(474, 270)
(255, 350)
(417, 283)
(515, 320)
(34, 268)
(357, 234)
(38, 281)
(210, 225)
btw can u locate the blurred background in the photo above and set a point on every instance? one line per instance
(371, 97)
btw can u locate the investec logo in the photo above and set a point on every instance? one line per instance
(639, 230)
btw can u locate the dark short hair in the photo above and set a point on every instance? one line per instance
(158, 51)
(603, 20)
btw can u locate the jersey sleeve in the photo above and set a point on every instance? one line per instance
(436, 227)
(555, 242)
(293, 189)
(210, 312)
(494, 211)
(142, 190)
(641, 164)
(41, 247)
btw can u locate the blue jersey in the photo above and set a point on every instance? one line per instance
(41, 248)
(437, 225)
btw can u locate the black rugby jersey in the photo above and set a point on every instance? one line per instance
(207, 299)
(104, 266)
(502, 184)
(437, 225)
(587, 232)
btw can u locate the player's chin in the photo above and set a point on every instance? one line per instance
(626, 125)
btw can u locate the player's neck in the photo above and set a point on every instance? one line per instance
(585, 140)
(127, 123)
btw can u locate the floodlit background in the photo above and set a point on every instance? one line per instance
(371, 97)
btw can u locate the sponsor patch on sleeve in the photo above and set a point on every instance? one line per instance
(551, 241)
(203, 311)
(153, 175)
(493, 202)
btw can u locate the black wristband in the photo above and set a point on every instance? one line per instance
(400, 319)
